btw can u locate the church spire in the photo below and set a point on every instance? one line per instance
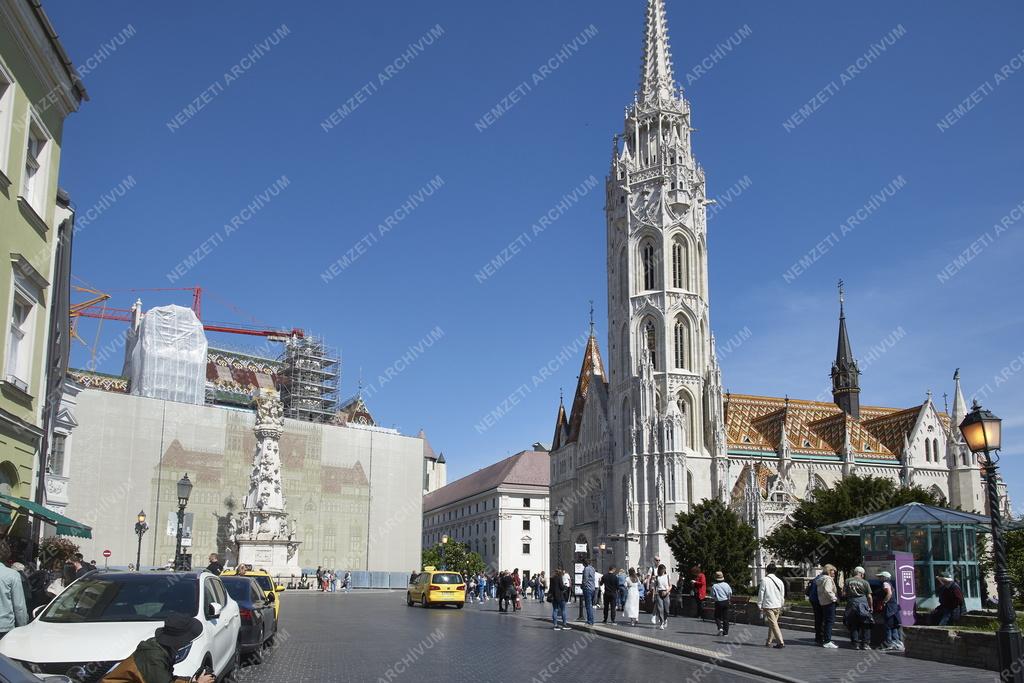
(845, 373)
(656, 78)
(959, 407)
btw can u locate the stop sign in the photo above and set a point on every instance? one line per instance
(107, 553)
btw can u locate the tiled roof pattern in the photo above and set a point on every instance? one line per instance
(816, 427)
(592, 365)
(527, 467)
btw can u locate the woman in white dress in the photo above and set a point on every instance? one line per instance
(632, 609)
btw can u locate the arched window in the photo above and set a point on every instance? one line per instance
(937, 492)
(680, 263)
(935, 449)
(624, 274)
(682, 344)
(651, 342)
(649, 265)
(625, 499)
(627, 428)
(686, 418)
(689, 488)
(699, 286)
(928, 450)
(625, 351)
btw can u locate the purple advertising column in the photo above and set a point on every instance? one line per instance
(905, 586)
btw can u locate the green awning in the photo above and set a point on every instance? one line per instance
(65, 526)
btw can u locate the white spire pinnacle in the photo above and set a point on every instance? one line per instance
(656, 78)
(959, 405)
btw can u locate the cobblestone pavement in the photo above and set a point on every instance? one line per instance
(801, 659)
(375, 637)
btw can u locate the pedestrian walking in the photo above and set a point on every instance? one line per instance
(891, 613)
(589, 587)
(216, 566)
(558, 597)
(13, 609)
(951, 600)
(621, 591)
(771, 595)
(631, 609)
(811, 592)
(661, 587)
(542, 587)
(828, 596)
(859, 619)
(320, 578)
(610, 582)
(507, 592)
(700, 588)
(721, 592)
(348, 582)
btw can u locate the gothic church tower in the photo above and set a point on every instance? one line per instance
(664, 381)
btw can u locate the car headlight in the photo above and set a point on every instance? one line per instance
(182, 654)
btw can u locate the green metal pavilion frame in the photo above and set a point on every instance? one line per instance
(939, 538)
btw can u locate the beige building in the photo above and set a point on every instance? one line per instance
(500, 512)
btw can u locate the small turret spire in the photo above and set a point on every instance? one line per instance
(591, 317)
(845, 373)
(959, 407)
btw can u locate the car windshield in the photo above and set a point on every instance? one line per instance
(446, 578)
(238, 588)
(125, 597)
(265, 583)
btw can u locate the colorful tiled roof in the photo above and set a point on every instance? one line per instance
(592, 365)
(816, 427)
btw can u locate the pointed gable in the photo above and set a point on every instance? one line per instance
(560, 425)
(592, 370)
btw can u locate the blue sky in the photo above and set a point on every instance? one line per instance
(785, 191)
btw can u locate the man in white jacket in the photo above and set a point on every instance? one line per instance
(770, 596)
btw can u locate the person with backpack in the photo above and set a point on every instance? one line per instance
(859, 619)
(891, 614)
(771, 595)
(951, 600)
(812, 597)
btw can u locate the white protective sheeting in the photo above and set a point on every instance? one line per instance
(168, 360)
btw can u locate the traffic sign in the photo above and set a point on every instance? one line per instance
(107, 553)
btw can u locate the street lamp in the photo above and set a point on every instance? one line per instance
(559, 518)
(140, 528)
(444, 542)
(604, 562)
(184, 491)
(983, 433)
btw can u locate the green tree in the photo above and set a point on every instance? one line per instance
(714, 537)
(457, 558)
(854, 496)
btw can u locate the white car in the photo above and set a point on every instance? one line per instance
(99, 620)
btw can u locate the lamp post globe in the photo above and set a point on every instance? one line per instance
(444, 542)
(559, 519)
(140, 529)
(982, 431)
(184, 491)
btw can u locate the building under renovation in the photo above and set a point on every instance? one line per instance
(353, 488)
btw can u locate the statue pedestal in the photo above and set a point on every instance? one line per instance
(278, 556)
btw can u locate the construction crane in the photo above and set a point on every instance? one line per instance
(96, 307)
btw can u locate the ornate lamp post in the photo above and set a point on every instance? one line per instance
(983, 433)
(184, 491)
(559, 519)
(444, 542)
(604, 561)
(140, 528)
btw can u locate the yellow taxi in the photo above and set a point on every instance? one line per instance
(435, 587)
(266, 582)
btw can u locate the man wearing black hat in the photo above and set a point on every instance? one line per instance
(153, 659)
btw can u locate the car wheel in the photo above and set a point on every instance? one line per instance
(231, 675)
(423, 601)
(408, 598)
(461, 605)
(256, 656)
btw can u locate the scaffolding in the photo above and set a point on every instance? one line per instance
(309, 379)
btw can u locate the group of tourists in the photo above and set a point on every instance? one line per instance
(616, 590)
(508, 587)
(329, 581)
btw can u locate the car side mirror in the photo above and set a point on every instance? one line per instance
(279, 588)
(271, 597)
(213, 610)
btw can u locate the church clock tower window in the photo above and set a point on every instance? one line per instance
(679, 264)
(682, 343)
(649, 265)
(651, 342)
